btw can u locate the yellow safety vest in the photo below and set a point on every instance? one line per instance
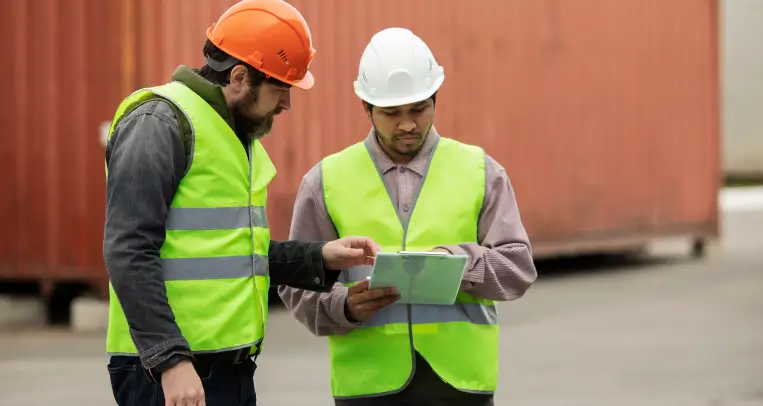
(459, 341)
(215, 256)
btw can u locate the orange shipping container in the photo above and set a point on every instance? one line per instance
(605, 114)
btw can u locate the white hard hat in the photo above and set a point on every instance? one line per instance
(397, 68)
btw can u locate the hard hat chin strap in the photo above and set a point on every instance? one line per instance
(222, 66)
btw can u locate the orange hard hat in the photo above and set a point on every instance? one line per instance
(269, 35)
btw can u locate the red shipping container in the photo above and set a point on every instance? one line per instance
(605, 114)
(63, 68)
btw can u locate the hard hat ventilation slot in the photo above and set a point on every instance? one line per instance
(430, 65)
(282, 55)
(365, 79)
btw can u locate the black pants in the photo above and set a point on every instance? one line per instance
(425, 389)
(225, 383)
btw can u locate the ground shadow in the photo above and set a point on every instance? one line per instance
(578, 265)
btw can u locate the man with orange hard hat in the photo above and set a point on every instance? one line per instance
(186, 239)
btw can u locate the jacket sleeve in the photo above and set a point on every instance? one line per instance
(322, 313)
(501, 265)
(300, 264)
(146, 160)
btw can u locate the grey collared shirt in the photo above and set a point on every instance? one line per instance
(500, 263)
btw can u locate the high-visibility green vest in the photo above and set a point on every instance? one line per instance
(214, 258)
(459, 341)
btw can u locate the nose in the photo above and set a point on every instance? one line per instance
(285, 101)
(407, 125)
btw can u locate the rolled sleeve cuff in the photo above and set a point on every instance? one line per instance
(322, 279)
(161, 353)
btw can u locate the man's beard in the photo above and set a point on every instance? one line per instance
(251, 128)
(391, 143)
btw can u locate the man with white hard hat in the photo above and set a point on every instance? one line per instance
(445, 196)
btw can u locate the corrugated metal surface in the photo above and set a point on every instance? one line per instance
(742, 35)
(63, 69)
(604, 113)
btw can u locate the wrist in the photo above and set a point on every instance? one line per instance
(348, 312)
(172, 361)
(340, 312)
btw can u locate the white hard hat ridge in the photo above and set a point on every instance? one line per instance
(397, 68)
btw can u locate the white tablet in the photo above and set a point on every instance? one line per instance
(420, 277)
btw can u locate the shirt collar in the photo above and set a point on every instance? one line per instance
(418, 164)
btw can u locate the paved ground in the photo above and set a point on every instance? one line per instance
(671, 332)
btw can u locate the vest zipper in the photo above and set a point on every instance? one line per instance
(403, 244)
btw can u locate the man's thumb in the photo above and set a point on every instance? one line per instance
(358, 287)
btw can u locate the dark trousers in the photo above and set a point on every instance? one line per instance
(225, 383)
(425, 389)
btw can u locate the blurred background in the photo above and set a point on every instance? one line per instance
(631, 130)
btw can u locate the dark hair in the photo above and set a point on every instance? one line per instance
(223, 78)
(370, 106)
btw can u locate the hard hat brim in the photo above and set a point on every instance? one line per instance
(306, 83)
(397, 101)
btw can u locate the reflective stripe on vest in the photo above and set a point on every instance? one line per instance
(214, 257)
(217, 218)
(378, 358)
(193, 269)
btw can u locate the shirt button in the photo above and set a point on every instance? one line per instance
(405, 208)
(401, 169)
(317, 280)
